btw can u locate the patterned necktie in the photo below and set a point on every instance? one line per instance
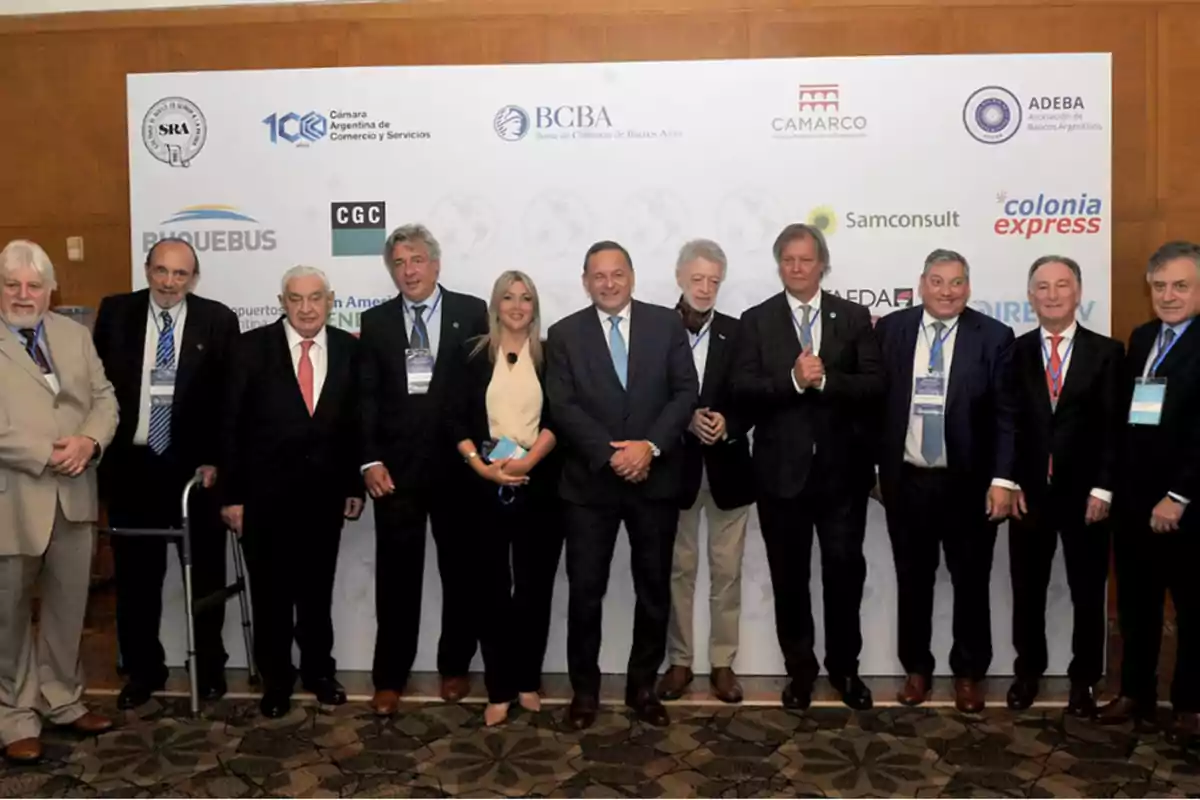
(305, 375)
(806, 327)
(160, 415)
(934, 429)
(1168, 336)
(35, 352)
(420, 335)
(616, 344)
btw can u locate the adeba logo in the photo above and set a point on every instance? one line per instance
(1041, 214)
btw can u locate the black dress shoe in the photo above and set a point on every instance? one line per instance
(1082, 701)
(275, 704)
(136, 693)
(648, 708)
(797, 695)
(853, 691)
(327, 690)
(213, 688)
(1022, 693)
(582, 712)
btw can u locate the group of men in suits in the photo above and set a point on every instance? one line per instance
(801, 407)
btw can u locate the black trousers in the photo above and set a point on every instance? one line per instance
(291, 550)
(840, 519)
(400, 520)
(1031, 545)
(518, 546)
(1148, 566)
(591, 538)
(932, 509)
(148, 496)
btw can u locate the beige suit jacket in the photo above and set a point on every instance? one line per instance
(33, 417)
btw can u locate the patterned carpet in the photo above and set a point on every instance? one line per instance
(437, 750)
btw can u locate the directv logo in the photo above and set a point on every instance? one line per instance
(359, 228)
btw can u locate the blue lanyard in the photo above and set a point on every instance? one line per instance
(1161, 352)
(935, 347)
(703, 333)
(1056, 375)
(802, 329)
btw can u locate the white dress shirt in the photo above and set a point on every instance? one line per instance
(432, 316)
(318, 354)
(916, 423)
(797, 307)
(699, 342)
(623, 326)
(178, 312)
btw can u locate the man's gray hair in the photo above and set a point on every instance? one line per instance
(301, 271)
(414, 232)
(944, 256)
(24, 253)
(799, 230)
(1069, 263)
(1171, 251)
(702, 248)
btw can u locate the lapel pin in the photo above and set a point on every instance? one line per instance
(200, 346)
(833, 315)
(720, 336)
(455, 324)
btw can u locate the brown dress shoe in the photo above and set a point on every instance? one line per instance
(91, 724)
(455, 688)
(24, 751)
(675, 682)
(915, 691)
(1123, 709)
(968, 695)
(725, 685)
(386, 702)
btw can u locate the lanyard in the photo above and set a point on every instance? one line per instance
(1162, 353)
(703, 333)
(1056, 375)
(935, 346)
(426, 317)
(803, 329)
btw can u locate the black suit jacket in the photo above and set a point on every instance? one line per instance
(210, 332)
(730, 472)
(980, 426)
(1082, 431)
(1163, 458)
(591, 409)
(789, 426)
(407, 432)
(467, 415)
(272, 447)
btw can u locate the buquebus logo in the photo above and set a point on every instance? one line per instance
(1043, 214)
(213, 228)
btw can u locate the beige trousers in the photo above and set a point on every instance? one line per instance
(726, 543)
(41, 677)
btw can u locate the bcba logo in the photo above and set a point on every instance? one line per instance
(296, 128)
(174, 131)
(1042, 214)
(992, 115)
(358, 228)
(511, 123)
(233, 238)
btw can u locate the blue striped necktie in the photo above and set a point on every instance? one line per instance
(160, 415)
(933, 430)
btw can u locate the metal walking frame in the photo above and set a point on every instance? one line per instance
(183, 544)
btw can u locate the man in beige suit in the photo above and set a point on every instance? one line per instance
(57, 413)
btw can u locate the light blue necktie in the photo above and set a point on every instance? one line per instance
(164, 358)
(616, 344)
(934, 428)
(420, 337)
(806, 327)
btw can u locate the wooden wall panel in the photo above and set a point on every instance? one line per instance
(63, 86)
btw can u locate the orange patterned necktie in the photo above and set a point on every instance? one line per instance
(305, 374)
(1053, 371)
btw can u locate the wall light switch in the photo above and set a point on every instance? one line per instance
(75, 248)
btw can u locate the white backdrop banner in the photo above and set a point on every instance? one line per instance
(1003, 158)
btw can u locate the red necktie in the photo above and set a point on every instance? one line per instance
(1053, 369)
(305, 374)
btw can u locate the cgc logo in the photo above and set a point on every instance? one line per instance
(358, 228)
(1042, 214)
(174, 131)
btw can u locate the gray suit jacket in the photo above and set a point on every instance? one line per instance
(33, 417)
